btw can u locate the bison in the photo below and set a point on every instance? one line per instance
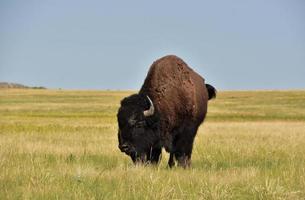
(166, 113)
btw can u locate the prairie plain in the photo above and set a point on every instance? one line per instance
(62, 144)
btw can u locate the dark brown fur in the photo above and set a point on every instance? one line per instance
(180, 97)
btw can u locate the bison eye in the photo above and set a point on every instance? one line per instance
(140, 124)
(132, 121)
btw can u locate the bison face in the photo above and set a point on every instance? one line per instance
(138, 128)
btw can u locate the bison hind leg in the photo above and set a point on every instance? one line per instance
(184, 160)
(183, 145)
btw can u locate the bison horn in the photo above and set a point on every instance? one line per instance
(151, 109)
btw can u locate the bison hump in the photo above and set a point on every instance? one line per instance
(174, 86)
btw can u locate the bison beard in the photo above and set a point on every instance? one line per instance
(167, 112)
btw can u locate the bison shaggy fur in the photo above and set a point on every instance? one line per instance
(166, 113)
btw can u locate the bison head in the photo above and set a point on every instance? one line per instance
(138, 127)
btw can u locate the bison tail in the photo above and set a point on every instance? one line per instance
(211, 91)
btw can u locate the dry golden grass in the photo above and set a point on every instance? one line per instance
(57, 144)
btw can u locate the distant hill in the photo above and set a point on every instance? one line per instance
(17, 85)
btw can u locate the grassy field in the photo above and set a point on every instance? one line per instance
(57, 144)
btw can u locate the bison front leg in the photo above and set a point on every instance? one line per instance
(171, 161)
(154, 155)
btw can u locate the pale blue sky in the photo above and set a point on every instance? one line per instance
(237, 44)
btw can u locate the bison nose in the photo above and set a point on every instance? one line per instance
(124, 147)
